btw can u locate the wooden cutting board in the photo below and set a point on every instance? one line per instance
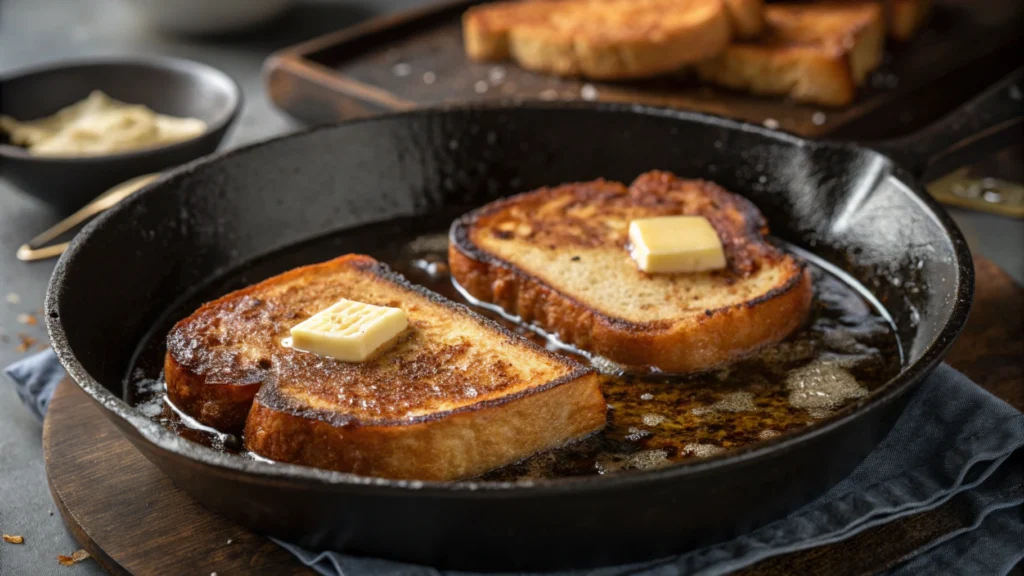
(412, 59)
(132, 520)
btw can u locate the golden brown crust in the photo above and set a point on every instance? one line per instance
(485, 28)
(718, 338)
(223, 406)
(694, 342)
(460, 445)
(607, 39)
(818, 53)
(587, 206)
(451, 362)
(747, 17)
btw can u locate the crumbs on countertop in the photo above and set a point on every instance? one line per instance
(26, 342)
(75, 558)
(13, 298)
(12, 539)
(27, 319)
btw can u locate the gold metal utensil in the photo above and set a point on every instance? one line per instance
(36, 249)
(991, 195)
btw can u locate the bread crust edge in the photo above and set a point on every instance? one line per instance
(223, 406)
(451, 446)
(719, 337)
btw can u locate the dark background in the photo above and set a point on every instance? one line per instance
(39, 31)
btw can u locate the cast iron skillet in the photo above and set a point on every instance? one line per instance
(849, 204)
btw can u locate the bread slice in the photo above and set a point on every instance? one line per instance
(599, 39)
(747, 18)
(905, 17)
(817, 53)
(557, 257)
(456, 397)
(485, 28)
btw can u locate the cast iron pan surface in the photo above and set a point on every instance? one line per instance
(848, 204)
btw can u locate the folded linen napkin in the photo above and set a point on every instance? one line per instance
(954, 441)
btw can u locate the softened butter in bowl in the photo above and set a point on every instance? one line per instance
(100, 125)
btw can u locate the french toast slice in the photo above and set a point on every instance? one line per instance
(599, 39)
(454, 397)
(747, 18)
(817, 53)
(557, 257)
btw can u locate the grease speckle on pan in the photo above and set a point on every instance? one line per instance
(731, 402)
(652, 420)
(702, 450)
(847, 349)
(822, 386)
(643, 460)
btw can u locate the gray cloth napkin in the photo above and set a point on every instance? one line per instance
(954, 441)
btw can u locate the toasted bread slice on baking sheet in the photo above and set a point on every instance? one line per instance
(601, 39)
(817, 53)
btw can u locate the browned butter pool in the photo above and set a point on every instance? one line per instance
(847, 349)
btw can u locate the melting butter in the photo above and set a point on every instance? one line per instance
(671, 244)
(99, 125)
(350, 331)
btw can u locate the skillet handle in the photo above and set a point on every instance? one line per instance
(990, 121)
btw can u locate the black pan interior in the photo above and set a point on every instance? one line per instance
(847, 204)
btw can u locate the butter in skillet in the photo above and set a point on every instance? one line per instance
(672, 244)
(350, 331)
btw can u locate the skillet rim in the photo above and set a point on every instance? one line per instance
(216, 462)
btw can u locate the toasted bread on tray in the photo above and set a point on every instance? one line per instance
(556, 257)
(747, 17)
(456, 397)
(600, 39)
(817, 53)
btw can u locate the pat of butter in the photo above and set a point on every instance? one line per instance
(671, 244)
(349, 331)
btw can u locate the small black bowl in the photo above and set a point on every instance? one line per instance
(167, 85)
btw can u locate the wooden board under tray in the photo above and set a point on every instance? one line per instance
(415, 58)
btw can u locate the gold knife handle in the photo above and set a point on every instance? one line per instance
(35, 249)
(990, 195)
